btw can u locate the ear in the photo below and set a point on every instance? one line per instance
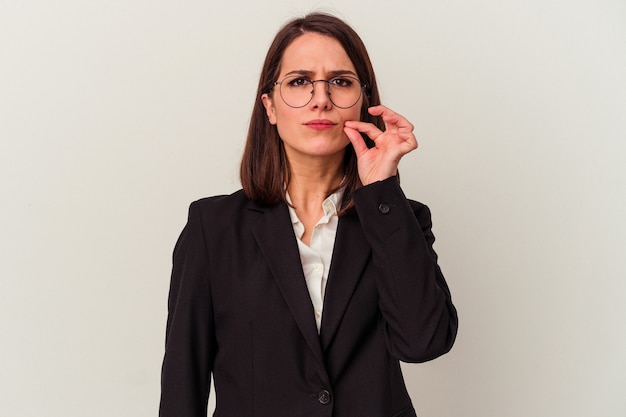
(268, 103)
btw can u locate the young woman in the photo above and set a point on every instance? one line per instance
(301, 293)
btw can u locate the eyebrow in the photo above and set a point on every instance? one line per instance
(331, 74)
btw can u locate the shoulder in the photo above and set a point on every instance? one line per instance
(220, 202)
(222, 210)
(219, 207)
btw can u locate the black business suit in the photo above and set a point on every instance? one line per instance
(239, 308)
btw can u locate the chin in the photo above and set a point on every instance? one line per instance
(327, 147)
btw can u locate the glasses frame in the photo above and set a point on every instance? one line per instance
(312, 82)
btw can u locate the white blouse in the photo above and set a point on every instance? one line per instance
(316, 257)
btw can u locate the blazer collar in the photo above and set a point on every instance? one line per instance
(350, 255)
(274, 234)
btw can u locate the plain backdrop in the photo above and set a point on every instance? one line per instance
(115, 115)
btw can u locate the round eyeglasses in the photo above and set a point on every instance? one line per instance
(343, 91)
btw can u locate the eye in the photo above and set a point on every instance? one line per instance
(298, 82)
(341, 82)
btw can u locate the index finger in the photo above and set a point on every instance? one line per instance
(369, 129)
(390, 117)
(379, 110)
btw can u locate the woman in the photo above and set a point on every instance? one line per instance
(301, 293)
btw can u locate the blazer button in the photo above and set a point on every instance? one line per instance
(323, 397)
(383, 208)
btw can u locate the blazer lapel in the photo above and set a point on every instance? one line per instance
(350, 254)
(274, 234)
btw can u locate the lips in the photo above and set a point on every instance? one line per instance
(320, 124)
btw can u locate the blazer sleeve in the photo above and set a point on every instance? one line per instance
(420, 322)
(189, 341)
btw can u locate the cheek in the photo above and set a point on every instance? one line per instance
(285, 121)
(284, 115)
(353, 113)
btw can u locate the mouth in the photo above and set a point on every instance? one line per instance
(320, 124)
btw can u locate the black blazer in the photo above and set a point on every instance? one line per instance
(239, 309)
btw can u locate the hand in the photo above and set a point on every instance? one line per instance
(380, 162)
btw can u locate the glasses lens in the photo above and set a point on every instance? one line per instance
(344, 91)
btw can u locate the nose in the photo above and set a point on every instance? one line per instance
(321, 95)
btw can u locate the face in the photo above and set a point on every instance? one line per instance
(315, 130)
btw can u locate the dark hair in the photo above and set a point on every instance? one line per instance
(264, 167)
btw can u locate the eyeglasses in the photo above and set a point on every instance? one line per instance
(297, 91)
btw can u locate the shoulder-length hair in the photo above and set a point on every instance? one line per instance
(265, 170)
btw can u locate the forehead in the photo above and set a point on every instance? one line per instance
(316, 53)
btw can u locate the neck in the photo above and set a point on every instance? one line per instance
(310, 184)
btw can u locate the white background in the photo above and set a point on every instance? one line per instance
(115, 115)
